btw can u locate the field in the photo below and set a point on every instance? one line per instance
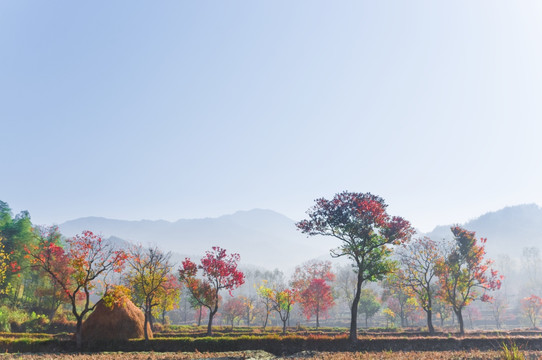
(260, 355)
(188, 342)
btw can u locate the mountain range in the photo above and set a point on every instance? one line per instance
(267, 239)
(263, 238)
(508, 231)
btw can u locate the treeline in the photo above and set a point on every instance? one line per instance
(48, 280)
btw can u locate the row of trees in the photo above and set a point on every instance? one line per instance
(378, 246)
(368, 235)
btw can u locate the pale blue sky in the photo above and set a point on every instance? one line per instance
(183, 109)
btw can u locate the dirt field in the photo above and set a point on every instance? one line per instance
(260, 355)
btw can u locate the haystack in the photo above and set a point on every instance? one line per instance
(121, 322)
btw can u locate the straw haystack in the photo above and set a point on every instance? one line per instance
(121, 322)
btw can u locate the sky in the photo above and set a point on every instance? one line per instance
(188, 109)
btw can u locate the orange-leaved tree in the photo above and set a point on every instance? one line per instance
(219, 271)
(464, 275)
(77, 269)
(366, 231)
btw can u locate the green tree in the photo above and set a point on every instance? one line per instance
(17, 233)
(366, 231)
(368, 304)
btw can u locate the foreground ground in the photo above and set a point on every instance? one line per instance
(261, 355)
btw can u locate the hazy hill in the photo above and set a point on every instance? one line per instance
(508, 230)
(268, 239)
(262, 237)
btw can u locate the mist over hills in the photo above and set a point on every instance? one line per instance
(262, 237)
(267, 239)
(508, 231)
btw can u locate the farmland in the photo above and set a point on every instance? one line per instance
(189, 342)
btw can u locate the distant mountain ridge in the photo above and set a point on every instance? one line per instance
(508, 230)
(262, 237)
(268, 239)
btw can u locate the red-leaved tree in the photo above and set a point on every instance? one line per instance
(361, 223)
(316, 299)
(77, 268)
(218, 271)
(464, 275)
(233, 309)
(530, 307)
(311, 283)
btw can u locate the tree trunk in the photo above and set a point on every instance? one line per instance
(460, 321)
(199, 317)
(354, 311)
(210, 324)
(430, 322)
(317, 321)
(145, 331)
(151, 320)
(266, 319)
(284, 326)
(78, 334)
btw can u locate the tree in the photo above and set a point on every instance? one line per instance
(266, 295)
(168, 296)
(316, 299)
(361, 223)
(147, 273)
(310, 282)
(442, 310)
(418, 271)
(400, 298)
(49, 293)
(16, 232)
(249, 305)
(368, 304)
(531, 306)
(283, 300)
(4, 265)
(530, 262)
(499, 305)
(464, 275)
(76, 271)
(219, 271)
(233, 309)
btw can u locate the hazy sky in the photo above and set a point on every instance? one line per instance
(184, 109)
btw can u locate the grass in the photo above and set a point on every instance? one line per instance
(511, 352)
